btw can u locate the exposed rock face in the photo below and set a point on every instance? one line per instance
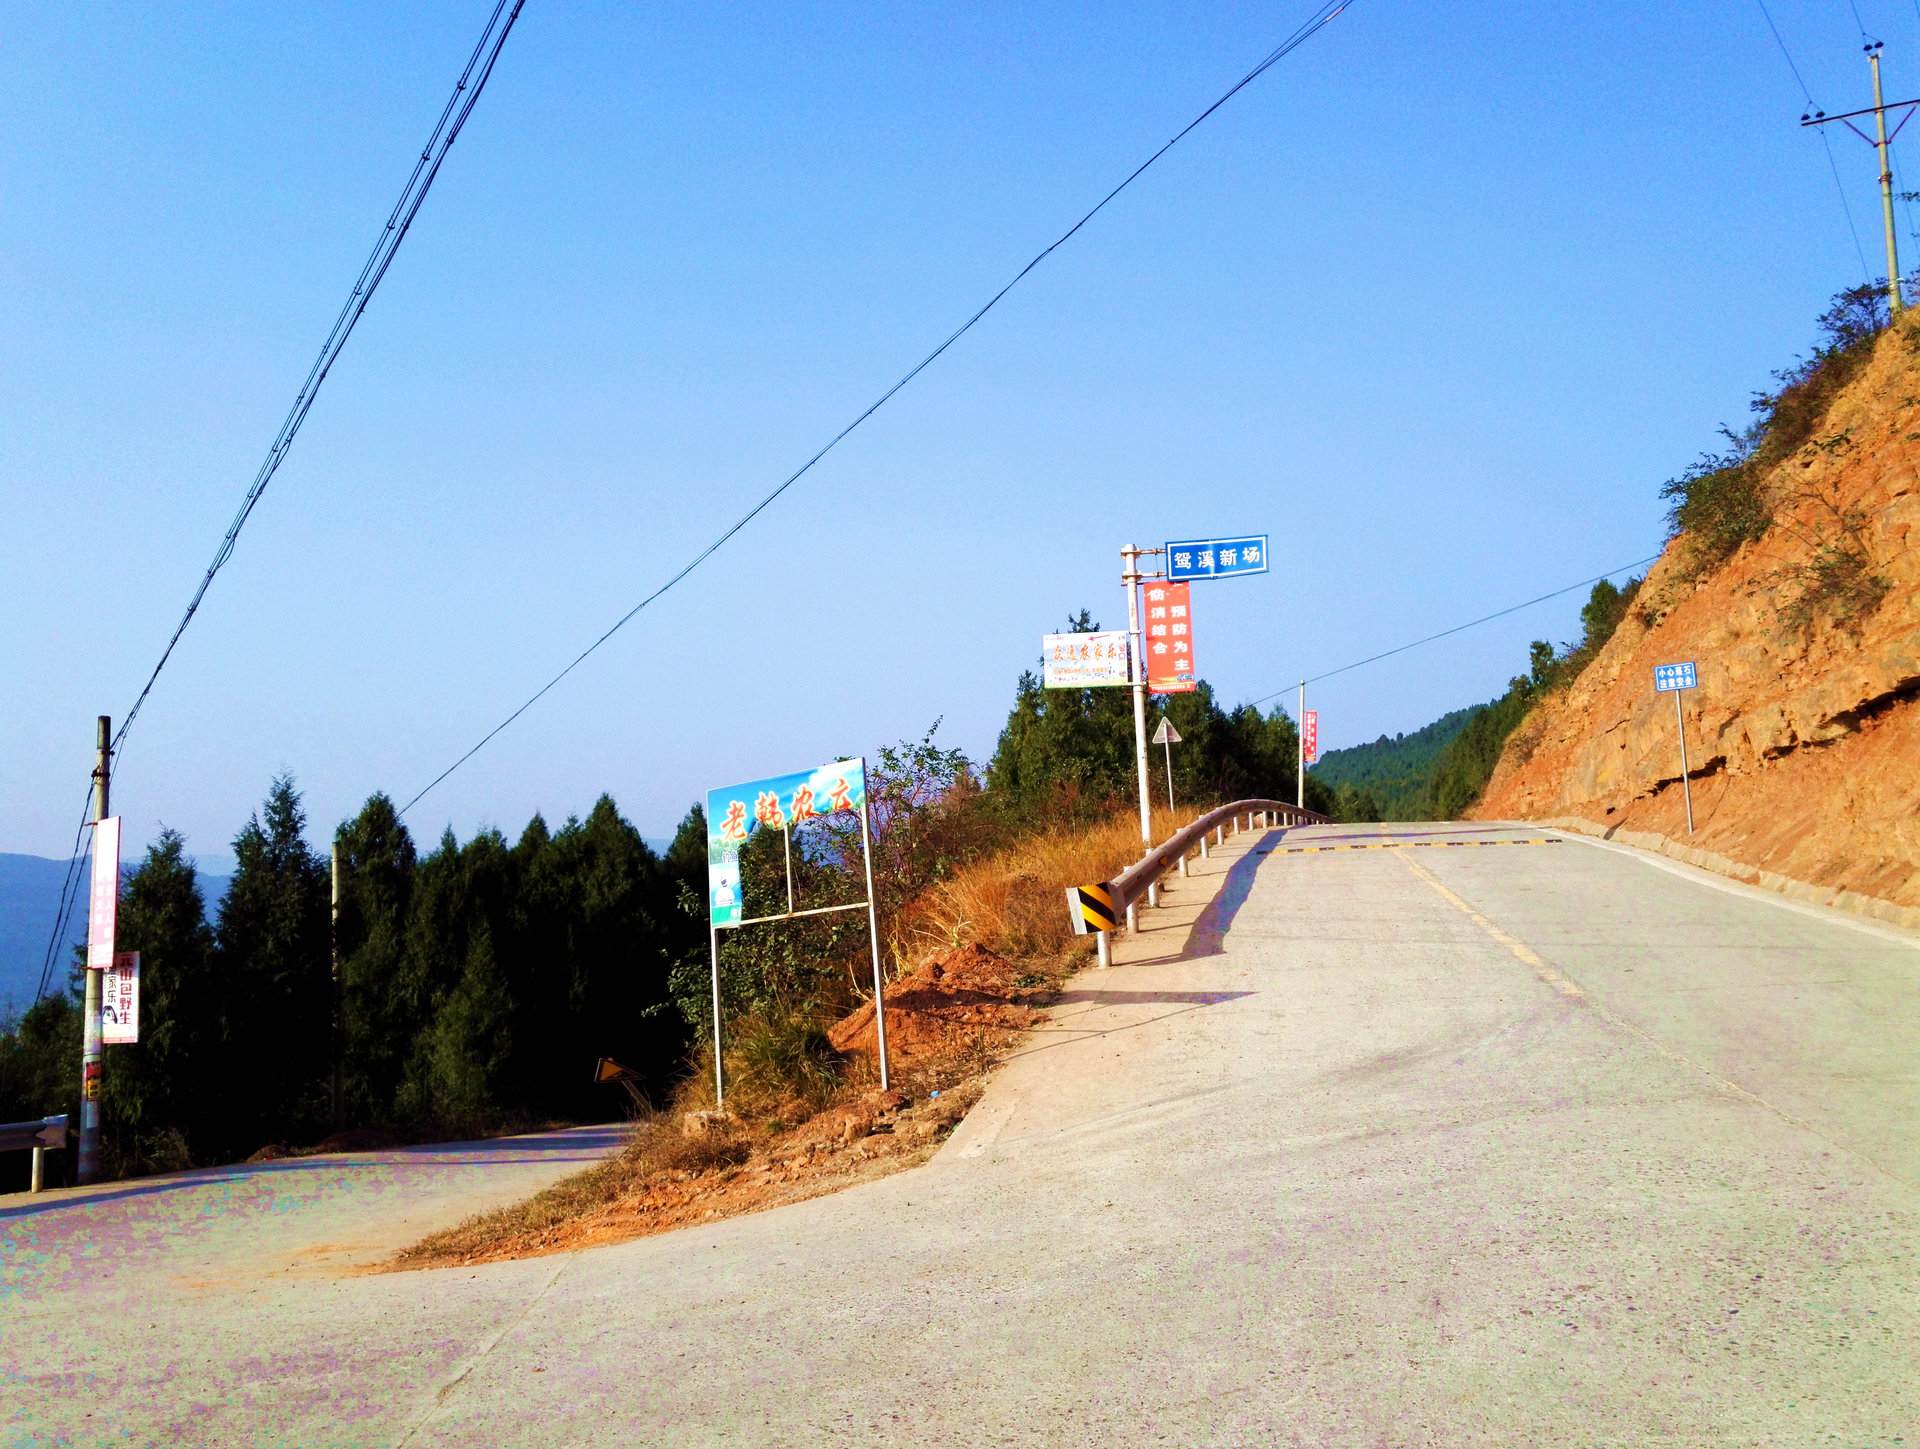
(1803, 741)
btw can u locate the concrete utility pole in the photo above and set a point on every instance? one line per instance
(339, 1108)
(1130, 575)
(88, 1168)
(1886, 181)
(1881, 142)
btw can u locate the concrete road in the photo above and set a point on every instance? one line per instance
(1472, 1144)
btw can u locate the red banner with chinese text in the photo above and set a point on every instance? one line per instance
(1310, 736)
(1168, 635)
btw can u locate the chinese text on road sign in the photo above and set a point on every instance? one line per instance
(1217, 558)
(1674, 676)
(1167, 636)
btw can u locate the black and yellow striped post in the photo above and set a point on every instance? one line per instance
(1090, 908)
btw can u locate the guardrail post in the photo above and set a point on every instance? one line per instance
(1106, 951)
(39, 1169)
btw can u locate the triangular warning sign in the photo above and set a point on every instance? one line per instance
(1166, 734)
(608, 1070)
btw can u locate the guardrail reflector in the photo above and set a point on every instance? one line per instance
(1091, 908)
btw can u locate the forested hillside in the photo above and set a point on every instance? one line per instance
(1391, 775)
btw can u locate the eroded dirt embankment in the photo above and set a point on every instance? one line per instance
(1804, 736)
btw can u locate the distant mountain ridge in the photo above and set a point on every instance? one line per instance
(29, 896)
(1395, 769)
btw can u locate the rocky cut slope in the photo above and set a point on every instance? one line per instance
(1803, 738)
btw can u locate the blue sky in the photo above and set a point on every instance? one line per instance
(1438, 303)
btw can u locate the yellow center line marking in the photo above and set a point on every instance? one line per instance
(1570, 988)
(1513, 943)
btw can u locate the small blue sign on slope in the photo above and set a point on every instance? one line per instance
(1674, 676)
(1217, 558)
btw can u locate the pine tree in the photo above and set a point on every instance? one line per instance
(158, 1095)
(273, 956)
(377, 867)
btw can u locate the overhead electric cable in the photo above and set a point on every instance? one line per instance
(1832, 165)
(68, 895)
(466, 92)
(1307, 28)
(1488, 618)
(453, 116)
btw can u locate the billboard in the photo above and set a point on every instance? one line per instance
(779, 802)
(1168, 638)
(1081, 661)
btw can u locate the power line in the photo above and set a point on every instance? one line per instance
(466, 93)
(1320, 17)
(1832, 165)
(69, 895)
(1498, 614)
(453, 116)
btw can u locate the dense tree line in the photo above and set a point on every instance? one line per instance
(477, 985)
(1071, 751)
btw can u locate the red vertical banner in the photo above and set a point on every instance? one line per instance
(1168, 629)
(1310, 735)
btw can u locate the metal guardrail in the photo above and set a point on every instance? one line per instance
(47, 1133)
(1102, 906)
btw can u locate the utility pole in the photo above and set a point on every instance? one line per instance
(1881, 141)
(1886, 191)
(88, 1168)
(1300, 769)
(1130, 575)
(339, 1108)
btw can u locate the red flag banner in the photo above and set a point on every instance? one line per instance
(1168, 630)
(1310, 735)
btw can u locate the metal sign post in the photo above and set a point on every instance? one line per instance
(780, 803)
(1167, 735)
(1677, 679)
(1130, 577)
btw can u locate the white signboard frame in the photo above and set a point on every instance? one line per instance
(1086, 661)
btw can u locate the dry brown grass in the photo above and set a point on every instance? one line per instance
(1013, 902)
(788, 1137)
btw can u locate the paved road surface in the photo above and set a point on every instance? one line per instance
(1439, 1145)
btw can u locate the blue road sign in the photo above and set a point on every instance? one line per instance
(1674, 676)
(1217, 558)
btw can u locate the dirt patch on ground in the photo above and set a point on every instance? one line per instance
(947, 1023)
